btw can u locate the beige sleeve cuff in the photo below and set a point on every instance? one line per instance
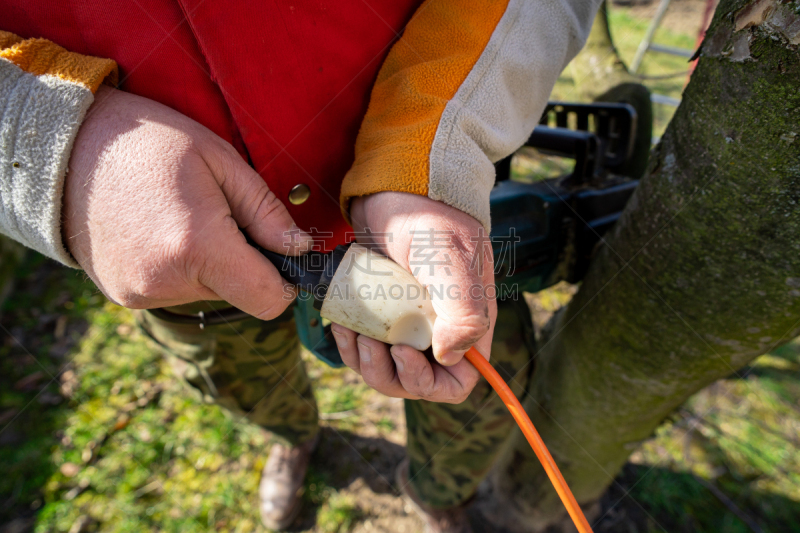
(45, 92)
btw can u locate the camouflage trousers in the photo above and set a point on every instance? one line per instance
(253, 368)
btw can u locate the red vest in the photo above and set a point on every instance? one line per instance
(286, 82)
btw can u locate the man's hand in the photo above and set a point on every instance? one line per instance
(153, 203)
(465, 315)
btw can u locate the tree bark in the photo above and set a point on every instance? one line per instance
(700, 276)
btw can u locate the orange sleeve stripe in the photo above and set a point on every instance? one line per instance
(40, 57)
(422, 72)
(8, 39)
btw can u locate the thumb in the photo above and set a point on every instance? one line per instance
(461, 324)
(255, 208)
(240, 275)
(464, 314)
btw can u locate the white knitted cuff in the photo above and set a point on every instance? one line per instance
(39, 120)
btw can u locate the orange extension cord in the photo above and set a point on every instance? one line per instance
(525, 424)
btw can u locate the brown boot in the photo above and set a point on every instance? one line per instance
(452, 520)
(281, 481)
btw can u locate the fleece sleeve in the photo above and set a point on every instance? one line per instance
(461, 89)
(44, 94)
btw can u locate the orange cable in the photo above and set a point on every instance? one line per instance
(525, 424)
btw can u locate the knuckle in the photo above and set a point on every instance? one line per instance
(228, 149)
(136, 284)
(268, 206)
(369, 379)
(457, 394)
(134, 287)
(183, 253)
(460, 390)
(199, 262)
(126, 298)
(145, 291)
(273, 310)
(467, 385)
(471, 328)
(422, 392)
(425, 386)
(221, 157)
(478, 324)
(455, 400)
(427, 395)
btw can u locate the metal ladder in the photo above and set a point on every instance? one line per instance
(647, 45)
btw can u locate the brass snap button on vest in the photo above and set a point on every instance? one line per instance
(299, 194)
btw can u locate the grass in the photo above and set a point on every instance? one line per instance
(734, 449)
(338, 513)
(115, 444)
(97, 435)
(97, 432)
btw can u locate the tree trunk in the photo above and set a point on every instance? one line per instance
(700, 276)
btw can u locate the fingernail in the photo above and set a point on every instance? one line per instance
(399, 362)
(364, 353)
(341, 338)
(451, 358)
